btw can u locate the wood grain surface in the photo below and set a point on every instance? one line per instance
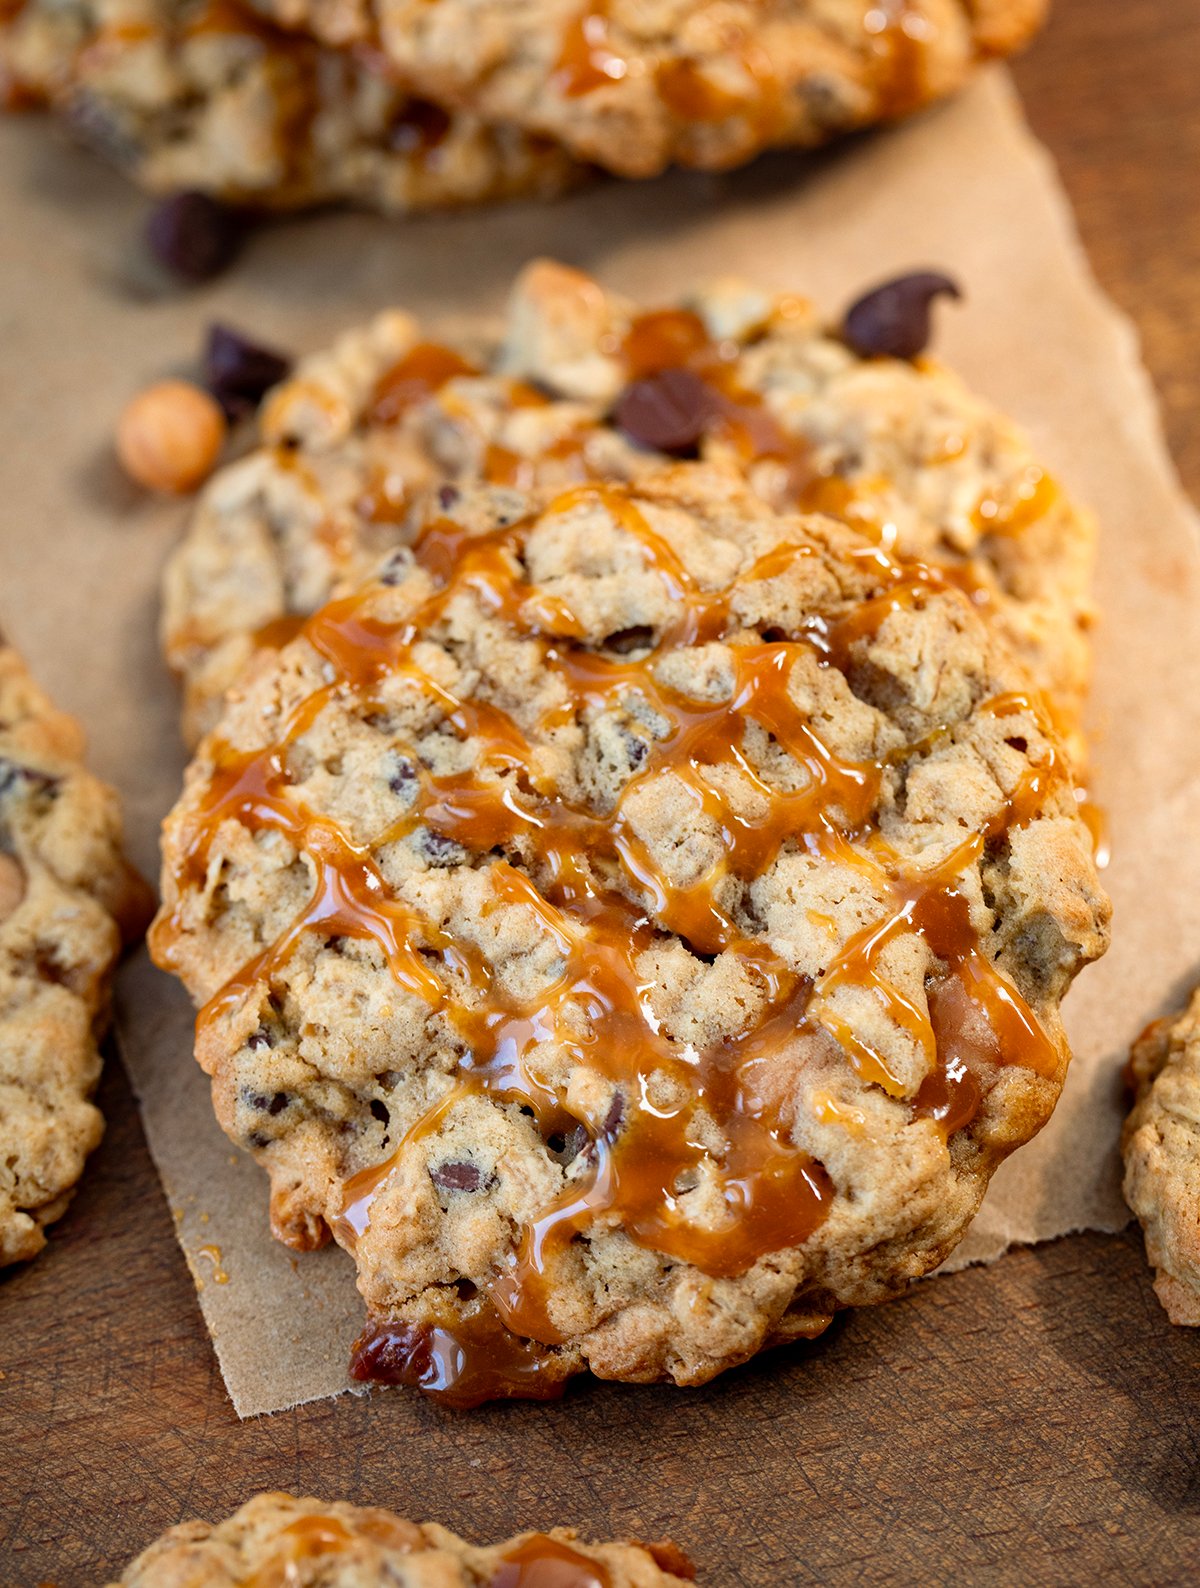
(1037, 1422)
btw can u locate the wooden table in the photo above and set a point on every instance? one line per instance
(1035, 1422)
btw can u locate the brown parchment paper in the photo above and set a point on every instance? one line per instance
(965, 189)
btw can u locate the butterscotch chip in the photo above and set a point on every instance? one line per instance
(170, 436)
(66, 896)
(1161, 1145)
(636, 85)
(201, 99)
(274, 1537)
(647, 811)
(582, 385)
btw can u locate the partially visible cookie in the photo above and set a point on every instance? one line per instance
(201, 94)
(275, 1539)
(581, 385)
(637, 86)
(1161, 1144)
(67, 896)
(633, 924)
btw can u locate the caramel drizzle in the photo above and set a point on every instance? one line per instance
(590, 898)
(587, 60)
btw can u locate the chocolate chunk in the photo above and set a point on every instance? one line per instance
(259, 1039)
(239, 372)
(669, 411)
(626, 640)
(194, 235)
(893, 320)
(457, 1176)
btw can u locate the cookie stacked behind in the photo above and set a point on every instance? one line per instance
(633, 922)
(406, 105)
(67, 897)
(203, 95)
(583, 385)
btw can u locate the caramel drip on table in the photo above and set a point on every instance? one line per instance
(603, 904)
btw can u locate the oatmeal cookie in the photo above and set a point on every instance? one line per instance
(1161, 1144)
(581, 385)
(633, 925)
(635, 85)
(204, 95)
(276, 1538)
(66, 898)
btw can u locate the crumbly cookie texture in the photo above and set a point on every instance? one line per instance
(309, 1544)
(639, 919)
(635, 85)
(201, 94)
(1161, 1144)
(66, 896)
(356, 441)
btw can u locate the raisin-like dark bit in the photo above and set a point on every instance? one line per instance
(239, 372)
(259, 1039)
(668, 412)
(194, 235)
(448, 496)
(457, 1176)
(893, 320)
(616, 1113)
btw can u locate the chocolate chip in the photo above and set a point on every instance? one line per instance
(437, 849)
(257, 1139)
(626, 640)
(239, 372)
(565, 1149)
(893, 320)
(668, 411)
(277, 1104)
(402, 778)
(194, 235)
(457, 1176)
(259, 1039)
(396, 567)
(636, 749)
(379, 1111)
